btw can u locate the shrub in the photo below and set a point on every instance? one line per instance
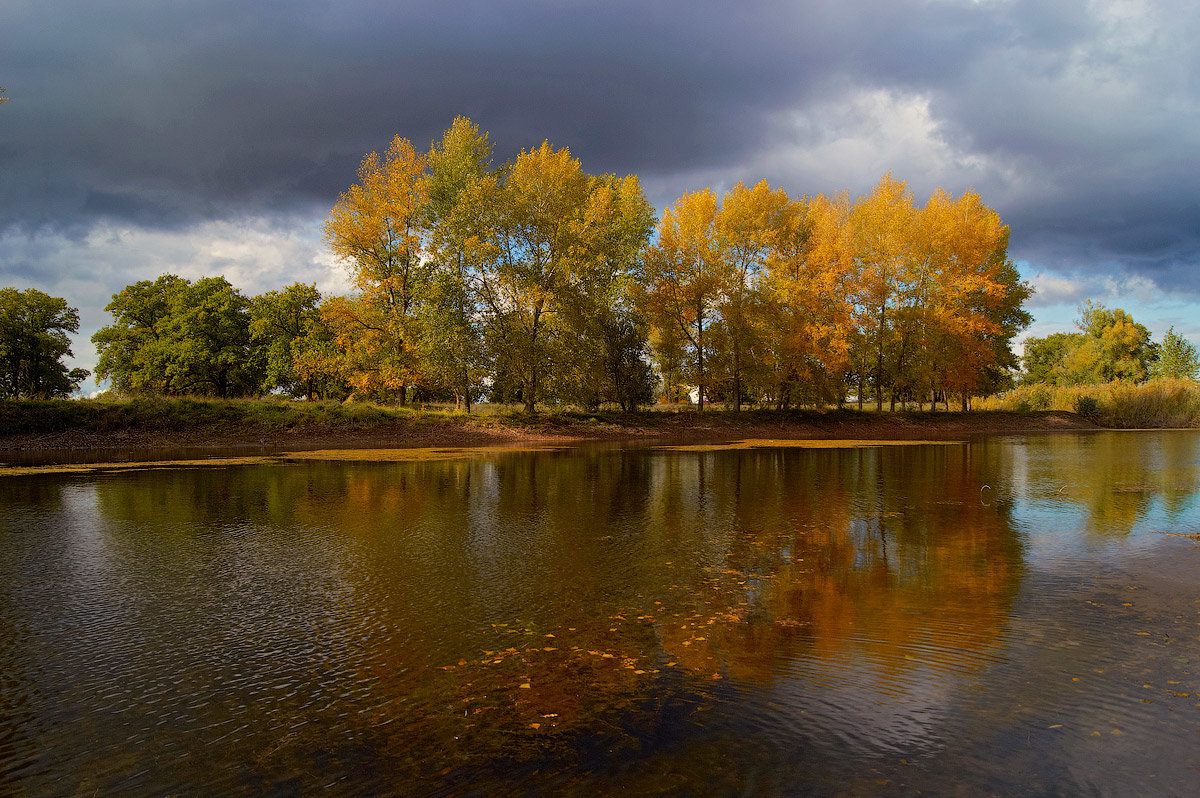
(1087, 406)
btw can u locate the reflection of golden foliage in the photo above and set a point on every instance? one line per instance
(436, 453)
(791, 443)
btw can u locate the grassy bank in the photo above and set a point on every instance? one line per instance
(158, 423)
(1160, 403)
(185, 415)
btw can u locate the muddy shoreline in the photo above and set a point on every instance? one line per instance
(81, 445)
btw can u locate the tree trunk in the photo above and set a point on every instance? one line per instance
(737, 380)
(700, 360)
(530, 399)
(879, 361)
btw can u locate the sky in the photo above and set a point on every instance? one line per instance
(211, 137)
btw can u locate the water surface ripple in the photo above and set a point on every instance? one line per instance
(1013, 615)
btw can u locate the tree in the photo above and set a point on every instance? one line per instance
(1043, 356)
(293, 342)
(881, 227)
(553, 243)
(371, 358)
(683, 281)
(378, 227)
(971, 298)
(750, 226)
(34, 329)
(134, 350)
(1109, 346)
(452, 332)
(209, 330)
(175, 337)
(1112, 347)
(810, 283)
(1177, 358)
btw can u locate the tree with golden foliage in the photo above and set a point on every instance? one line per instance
(810, 283)
(752, 226)
(683, 279)
(554, 240)
(378, 229)
(786, 299)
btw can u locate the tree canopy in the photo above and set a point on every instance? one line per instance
(790, 300)
(1108, 346)
(172, 336)
(535, 281)
(1177, 358)
(515, 277)
(34, 330)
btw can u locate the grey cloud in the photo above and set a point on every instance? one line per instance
(167, 115)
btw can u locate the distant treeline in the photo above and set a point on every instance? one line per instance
(533, 281)
(1108, 346)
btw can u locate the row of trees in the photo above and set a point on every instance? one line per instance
(805, 300)
(173, 336)
(515, 278)
(535, 281)
(1107, 346)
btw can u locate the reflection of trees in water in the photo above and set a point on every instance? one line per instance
(425, 594)
(1113, 480)
(869, 549)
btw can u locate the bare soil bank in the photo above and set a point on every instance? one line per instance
(445, 430)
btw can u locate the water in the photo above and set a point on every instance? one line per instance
(1016, 615)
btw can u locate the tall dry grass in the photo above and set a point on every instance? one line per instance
(1158, 403)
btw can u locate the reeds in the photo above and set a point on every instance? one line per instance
(1158, 404)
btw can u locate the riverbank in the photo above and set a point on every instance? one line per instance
(147, 425)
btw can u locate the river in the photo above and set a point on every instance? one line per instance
(1007, 615)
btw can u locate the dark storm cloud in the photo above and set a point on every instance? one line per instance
(1075, 120)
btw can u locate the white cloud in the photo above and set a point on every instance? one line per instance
(255, 254)
(858, 134)
(1055, 289)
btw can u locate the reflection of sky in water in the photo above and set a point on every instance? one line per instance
(1116, 493)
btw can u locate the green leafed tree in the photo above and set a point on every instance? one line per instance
(451, 319)
(293, 342)
(34, 337)
(1109, 346)
(176, 337)
(1177, 358)
(1043, 356)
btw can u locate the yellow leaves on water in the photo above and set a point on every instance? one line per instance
(431, 454)
(84, 468)
(786, 443)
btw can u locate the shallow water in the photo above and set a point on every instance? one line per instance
(1009, 615)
